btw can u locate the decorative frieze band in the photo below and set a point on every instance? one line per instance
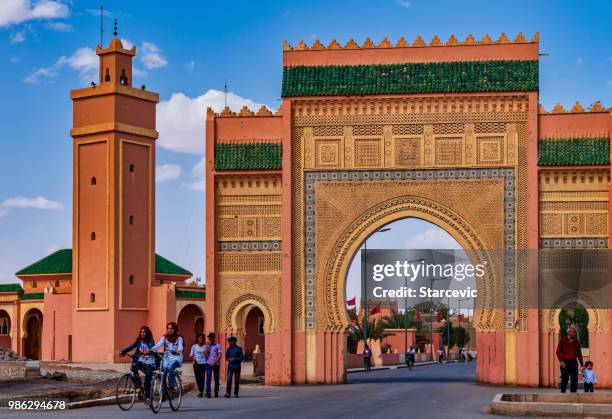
(248, 246)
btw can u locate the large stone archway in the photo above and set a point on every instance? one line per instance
(348, 207)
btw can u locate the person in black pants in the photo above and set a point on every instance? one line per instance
(234, 357)
(569, 353)
(197, 354)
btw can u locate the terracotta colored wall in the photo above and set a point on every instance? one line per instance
(572, 125)
(92, 207)
(248, 128)
(162, 309)
(136, 259)
(397, 340)
(186, 323)
(527, 51)
(490, 363)
(57, 326)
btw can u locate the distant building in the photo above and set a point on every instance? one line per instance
(84, 304)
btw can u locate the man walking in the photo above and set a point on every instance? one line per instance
(213, 354)
(234, 357)
(568, 350)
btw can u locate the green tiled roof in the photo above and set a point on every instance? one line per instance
(56, 263)
(164, 266)
(573, 151)
(189, 294)
(257, 156)
(33, 296)
(442, 77)
(10, 288)
(61, 262)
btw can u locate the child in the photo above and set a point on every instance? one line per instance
(589, 377)
(199, 362)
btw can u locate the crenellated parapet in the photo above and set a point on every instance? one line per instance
(418, 42)
(243, 112)
(576, 108)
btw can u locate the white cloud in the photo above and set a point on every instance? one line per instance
(84, 60)
(39, 202)
(197, 172)
(180, 119)
(404, 3)
(167, 172)
(18, 11)
(433, 238)
(18, 37)
(151, 56)
(60, 27)
(96, 12)
(126, 43)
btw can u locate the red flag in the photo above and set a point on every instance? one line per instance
(351, 302)
(375, 310)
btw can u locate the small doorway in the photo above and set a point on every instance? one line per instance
(33, 334)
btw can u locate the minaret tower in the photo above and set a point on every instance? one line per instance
(114, 207)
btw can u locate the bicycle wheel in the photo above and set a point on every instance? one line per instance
(156, 393)
(175, 397)
(125, 392)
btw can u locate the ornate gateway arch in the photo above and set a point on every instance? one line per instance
(370, 134)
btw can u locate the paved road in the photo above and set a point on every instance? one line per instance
(433, 391)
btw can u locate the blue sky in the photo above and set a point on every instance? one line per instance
(185, 53)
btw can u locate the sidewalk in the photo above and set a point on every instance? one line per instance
(390, 367)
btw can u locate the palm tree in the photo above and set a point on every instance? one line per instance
(376, 330)
(399, 320)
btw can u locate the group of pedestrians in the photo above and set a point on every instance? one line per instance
(206, 356)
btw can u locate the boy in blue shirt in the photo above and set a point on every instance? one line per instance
(234, 357)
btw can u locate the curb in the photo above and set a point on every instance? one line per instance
(187, 388)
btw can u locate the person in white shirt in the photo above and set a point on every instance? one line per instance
(172, 343)
(198, 355)
(590, 378)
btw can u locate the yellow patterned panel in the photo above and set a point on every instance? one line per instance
(260, 261)
(449, 151)
(408, 152)
(490, 150)
(368, 153)
(328, 153)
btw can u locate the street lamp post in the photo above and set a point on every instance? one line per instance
(364, 287)
(406, 308)
(431, 311)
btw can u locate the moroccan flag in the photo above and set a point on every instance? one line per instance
(375, 310)
(351, 302)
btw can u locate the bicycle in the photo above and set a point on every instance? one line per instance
(160, 389)
(128, 388)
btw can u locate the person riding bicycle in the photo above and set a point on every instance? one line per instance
(173, 344)
(144, 358)
(411, 356)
